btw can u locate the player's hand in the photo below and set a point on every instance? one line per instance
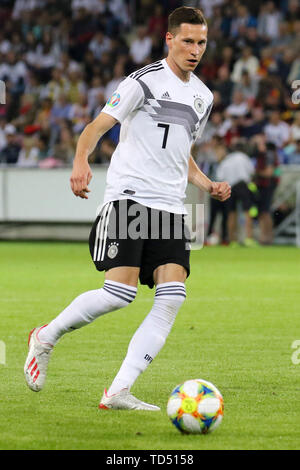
(80, 179)
(220, 191)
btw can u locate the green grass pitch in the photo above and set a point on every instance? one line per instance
(236, 329)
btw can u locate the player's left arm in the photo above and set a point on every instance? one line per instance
(217, 190)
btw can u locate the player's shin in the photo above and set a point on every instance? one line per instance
(151, 335)
(87, 307)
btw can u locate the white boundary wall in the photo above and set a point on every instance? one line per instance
(44, 195)
(38, 195)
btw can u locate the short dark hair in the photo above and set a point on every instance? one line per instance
(185, 15)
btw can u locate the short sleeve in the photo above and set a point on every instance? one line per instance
(128, 97)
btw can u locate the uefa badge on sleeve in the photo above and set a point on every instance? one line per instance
(114, 100)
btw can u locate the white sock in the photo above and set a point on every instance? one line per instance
(86, 308)
(151, 335)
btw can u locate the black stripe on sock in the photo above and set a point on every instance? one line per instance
(117, 295)
(122, 289)
(118, 291)
(171, 293)
(169, 289)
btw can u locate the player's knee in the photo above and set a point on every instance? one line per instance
(170, 305)
(170, 299)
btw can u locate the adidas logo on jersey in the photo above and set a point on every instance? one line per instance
(166, 96)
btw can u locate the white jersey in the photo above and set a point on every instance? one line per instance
(161, 116)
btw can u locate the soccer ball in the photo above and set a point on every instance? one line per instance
(195, 407)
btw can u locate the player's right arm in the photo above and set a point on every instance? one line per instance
(218, 190)
(82, 174)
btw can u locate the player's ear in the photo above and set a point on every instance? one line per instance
(169, 37)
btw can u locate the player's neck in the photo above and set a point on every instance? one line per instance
(181, 74)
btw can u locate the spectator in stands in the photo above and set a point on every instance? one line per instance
(253, 40)
(66, 64)
(295, 43)
(5, 44)
(295, 71)
(295, 128)
(10, 153)
(104, 151)
(91, 6)
(292, 13)
(79, 114)
(81, 32)
(14, 72)
(26, 112)
(284, 64)
(118, 76)
(98, 105)
(48, 49)
(270, 92)
(281, 43)
(246, 62)
(238, 107)
(277, 131)
(269, 19)
(220, 152)
(75, 86)
(294, 155)
(224, 85)
(253, 123)
(266, 179)
(57, 85)
(24, 5)
(30, 54)
(268, 64)
(118, 17)
(29, 153)
(248, 86)
(238, 169)
(140, 48)
(206, 5)
(105, 66)
(2, 133)
(241, 21)
(157, 23)
(218, 101)
(96, 88)
(226, 57)
(60, 111)
(99, 44)
(64, 149)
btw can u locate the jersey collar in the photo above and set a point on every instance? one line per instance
(170, 71)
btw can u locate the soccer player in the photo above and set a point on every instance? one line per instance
(162, 108)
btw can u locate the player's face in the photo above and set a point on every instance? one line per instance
(187, 45)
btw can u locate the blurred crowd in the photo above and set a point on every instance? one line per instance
(62, 59)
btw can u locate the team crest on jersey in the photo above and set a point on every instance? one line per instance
(113, 250)
(114, 100)
(199, 105)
